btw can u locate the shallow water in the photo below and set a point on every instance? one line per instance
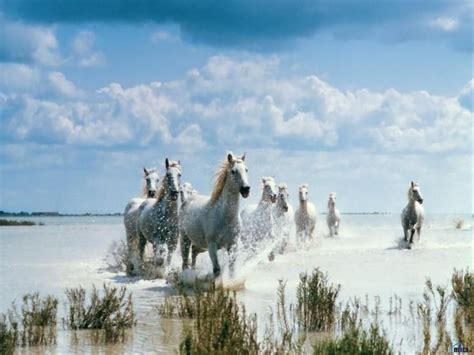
(365, 259)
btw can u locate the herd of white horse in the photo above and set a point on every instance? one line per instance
(169, 212)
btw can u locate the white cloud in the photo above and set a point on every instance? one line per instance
(466, 96)
(63, 86)
(163, 36)
(84, 47)
(445, 23)
(16, 76)
(28, 44)
(246, 102)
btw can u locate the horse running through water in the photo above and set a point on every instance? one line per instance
(132, 214)
(158, 221)
(258, 222)
(413, 215)
(212, 223)
(283, 217)
(305, 216)
(333, 218)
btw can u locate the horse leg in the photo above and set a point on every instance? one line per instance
(172, 244)
(185, 245)
(411, 236)
(418, 232)
(405, 232)
(232, 257)
(212, 249)
(194, 253)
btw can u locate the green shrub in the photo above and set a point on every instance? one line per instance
(356, 340)
(316, 302)
(112, 313)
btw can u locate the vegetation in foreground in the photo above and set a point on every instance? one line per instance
(34, 325)
(110, 315)
(219, 323)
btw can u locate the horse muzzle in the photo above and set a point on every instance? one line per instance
(151, 193)
(273, 198)
(245, 191)
(174, 195)
(420, 200)
(285, 208)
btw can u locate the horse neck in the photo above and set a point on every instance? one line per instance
(332, 208)
(304, 205)
(228, 201)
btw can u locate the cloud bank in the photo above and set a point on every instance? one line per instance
(263, 25)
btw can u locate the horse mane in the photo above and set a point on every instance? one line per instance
(164, 182)
(283, 186)
(221, 177)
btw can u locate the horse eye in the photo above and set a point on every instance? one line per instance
(232, 171)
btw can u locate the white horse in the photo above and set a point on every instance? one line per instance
(257, 221)
(158, 221)
(186, 192)
(413, 215)
(283, 216)
(333, 217)
(131, 215)
(305, 216)
(212, 223)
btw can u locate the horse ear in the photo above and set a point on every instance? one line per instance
(230, 158)
(145, 171)
(412, 183)
(243, 157)
(179, 162)
(167, 163)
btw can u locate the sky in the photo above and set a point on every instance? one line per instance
(353, 97)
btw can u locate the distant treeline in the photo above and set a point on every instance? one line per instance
(55, 214)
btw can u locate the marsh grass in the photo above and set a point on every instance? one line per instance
(34, 325)
(221, 325)
(316, 302)
(109, 314)
(117, 256)
(433, 311)
(463, 295)
(356, 340)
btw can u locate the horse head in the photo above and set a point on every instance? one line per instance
(173, 177)
(414, 192)
(152, 179)
(269, 189)
(303, 192)
(332, 200)
(238, 174)
(283, 196)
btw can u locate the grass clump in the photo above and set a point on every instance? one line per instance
(34, 325)
(440, 298)
(316, 302)
(356, 340)
(118, 256)
(220, 325)
(463, 295)
(111, 313)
